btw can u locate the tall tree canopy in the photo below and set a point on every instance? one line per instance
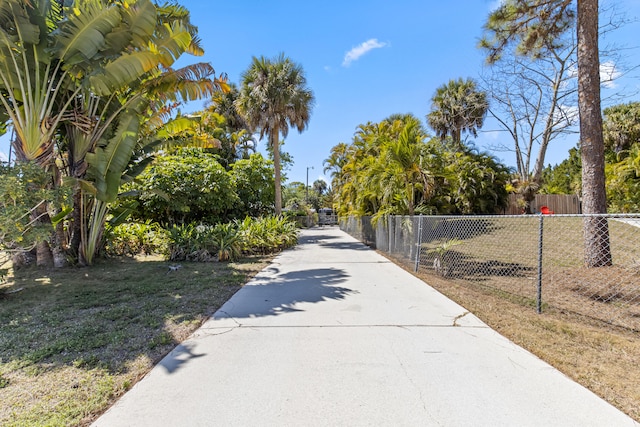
(533, 100)
(458, 106)
(392, 167)
(273, 97)
(535, 26)
(621, 127)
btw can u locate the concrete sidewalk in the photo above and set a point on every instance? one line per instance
(333, 334)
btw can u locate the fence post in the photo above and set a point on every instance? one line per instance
(419, 243)
(541, 234)
(390, 231)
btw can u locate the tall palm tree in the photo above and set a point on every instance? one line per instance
(457, 107)
(335, 162)
(274, 96)
(405, 153)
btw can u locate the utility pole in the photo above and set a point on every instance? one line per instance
(307, 187)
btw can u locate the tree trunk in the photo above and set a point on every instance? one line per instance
(76, 223)
(44, 257)
(59, 247)
(594, 200)
(275, 145)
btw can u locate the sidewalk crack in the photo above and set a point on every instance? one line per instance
(228, 316)
(455, 319)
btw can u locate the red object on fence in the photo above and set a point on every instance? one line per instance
(544, 210)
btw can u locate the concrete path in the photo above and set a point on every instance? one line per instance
(333, 334)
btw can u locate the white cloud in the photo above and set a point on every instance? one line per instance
(608, 74)
(567, 113)
(3, 157)
(492, 135)
(355, 53)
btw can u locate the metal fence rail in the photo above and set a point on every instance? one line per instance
(538, 258)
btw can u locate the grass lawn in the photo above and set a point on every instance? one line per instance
(74, 340)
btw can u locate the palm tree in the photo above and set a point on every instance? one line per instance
(224, 103)
(405, 154)
(335, 162)
(274, 96)
(457, 107)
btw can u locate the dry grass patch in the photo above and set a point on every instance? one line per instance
(73, 340)
(502, 253)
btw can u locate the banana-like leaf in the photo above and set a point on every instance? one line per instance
(17, 35)
(16, 15)
(85, 186)
(108, 164)
(177, 126)
(137, 27)
(116, 41)
(173, 44)
(142, 20)
(83, 34)
(136, 169)
(120, 214)
(160, 193)
(60, 216)
(123, 71)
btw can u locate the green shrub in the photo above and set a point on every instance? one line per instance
(254, 182)
(267, 235)
(191, 242)
(226, 240)
(134, 238)
(187, 186)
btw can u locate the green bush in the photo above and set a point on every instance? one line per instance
(186, 187)
(254, 182)
(267, 235)
(191, 242)
(226, 242)
(134, 238)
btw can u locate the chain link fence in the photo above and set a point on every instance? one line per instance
(544, 260)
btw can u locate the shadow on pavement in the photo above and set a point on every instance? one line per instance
(273, 296)
(356, 246)
(311, 239)
(178, 357)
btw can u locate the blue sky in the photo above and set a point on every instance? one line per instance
(364, 60)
